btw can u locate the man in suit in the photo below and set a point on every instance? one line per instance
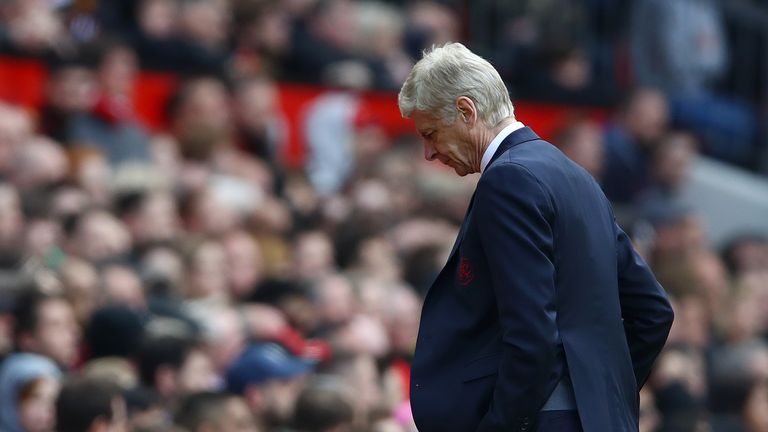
(544, 317)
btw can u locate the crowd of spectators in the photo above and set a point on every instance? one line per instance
(185, 279)
(593, 51)
(307, 40)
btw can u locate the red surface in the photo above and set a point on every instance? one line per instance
(150, 96)
(22, 83)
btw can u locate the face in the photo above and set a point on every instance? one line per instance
(94, 174)
(207, 106)
(313, 255)
(11, 218)
(245, 263)
(212, 215)
(228, 338)
(81, 287)
(158, 17)
(379, 256)
(101, 236)
(672, 165)
(587, 148)
(751, 256)
(693, 321)
(256, 104)
(280, 397)
(165, 263)
(205, 22)
(273, 31)
(118, 71)
(648, 116)
(449, 144)
(15, 129)
(57, 334)
(43, 163)
(152, 418)
(72, 89)
(337, 26)
(238, 417)
(197, 373)
(42, 235)
(158, 219)
(336, 301)
(36, 410)
(123, 286)
(69, 200)
(209, 271)
(404, 322)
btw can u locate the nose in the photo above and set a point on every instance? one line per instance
(429, 152)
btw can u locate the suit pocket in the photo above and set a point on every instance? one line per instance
(481, 367)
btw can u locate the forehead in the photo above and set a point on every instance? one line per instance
(424, 120)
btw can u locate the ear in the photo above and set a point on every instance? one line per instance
(467, 110)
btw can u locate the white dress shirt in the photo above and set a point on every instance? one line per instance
(489, 152)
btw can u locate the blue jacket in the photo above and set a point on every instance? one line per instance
(540, 277)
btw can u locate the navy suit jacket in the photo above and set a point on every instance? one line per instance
(540, 280)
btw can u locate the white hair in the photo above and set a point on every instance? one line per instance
(447, 72)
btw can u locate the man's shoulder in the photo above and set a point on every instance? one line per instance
(516, 180)
(543, 163)
(507, 168)
(536, 157)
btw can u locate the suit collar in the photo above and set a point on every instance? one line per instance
(496, 142)
(519, 136)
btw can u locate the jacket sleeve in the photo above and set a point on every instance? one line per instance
(645, 309)
(514, 226)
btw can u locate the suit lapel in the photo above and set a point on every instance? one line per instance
(462, 229)
(456, 244)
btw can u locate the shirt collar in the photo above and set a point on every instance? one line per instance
(491, 150)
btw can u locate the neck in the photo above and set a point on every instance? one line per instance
(487, 135)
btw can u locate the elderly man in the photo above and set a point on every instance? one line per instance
(544, 317)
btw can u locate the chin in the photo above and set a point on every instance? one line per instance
(460, 171)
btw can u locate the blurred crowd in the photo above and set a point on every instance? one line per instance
(593, 51)
(370, 44)
(186, 279)
(575, 52)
